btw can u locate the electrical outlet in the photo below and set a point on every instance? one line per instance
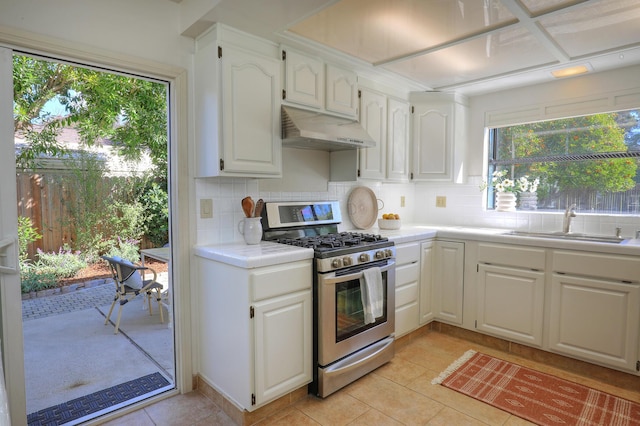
(441, 201)
(402, 201)
(206, 208)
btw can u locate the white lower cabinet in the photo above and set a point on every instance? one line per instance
(441, 281)
(407, 287)
(426, 282)
(448, 281)
(510, 292)
(511, 303)
(255, 329)
(596, 317)
(281, 366)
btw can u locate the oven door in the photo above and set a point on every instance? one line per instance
(341, 326)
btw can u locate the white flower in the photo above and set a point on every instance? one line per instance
(526, 185)
(501, 183)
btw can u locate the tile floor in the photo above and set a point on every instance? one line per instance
(398, 393)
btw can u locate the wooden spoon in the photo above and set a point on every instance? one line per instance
(248, 206)
(259, 207)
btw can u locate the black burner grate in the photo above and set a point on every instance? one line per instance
(330, 242)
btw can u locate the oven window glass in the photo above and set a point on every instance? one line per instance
(349, 311)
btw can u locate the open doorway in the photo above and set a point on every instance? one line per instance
(92, 151)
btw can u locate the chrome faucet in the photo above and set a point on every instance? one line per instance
(569, 214)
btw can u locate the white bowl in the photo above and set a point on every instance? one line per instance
(389, 223)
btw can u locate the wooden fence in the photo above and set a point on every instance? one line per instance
(46, 198)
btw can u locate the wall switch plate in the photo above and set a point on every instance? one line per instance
(402, 201)
(206, 208)
(441, 201)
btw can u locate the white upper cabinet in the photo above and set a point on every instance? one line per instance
(311, 83)
(387, 120)
(373, 117)
(342, 91)
(304, 79)
(251, 117)
(440, 124)
(237, 106)
(398, 130)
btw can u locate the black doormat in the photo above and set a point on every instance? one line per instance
(97, 401)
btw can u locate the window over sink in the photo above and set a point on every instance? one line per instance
(591, 161)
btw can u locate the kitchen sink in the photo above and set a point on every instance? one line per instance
(568, 236)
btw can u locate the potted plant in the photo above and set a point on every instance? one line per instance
(528, 192)
(506, 190)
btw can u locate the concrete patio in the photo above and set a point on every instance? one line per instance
(70, 352)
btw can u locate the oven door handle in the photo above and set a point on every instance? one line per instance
(356, 275)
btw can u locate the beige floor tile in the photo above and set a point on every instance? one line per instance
(394, 400)
(459, 402)
(400, 371)
(288, 417)
(399, 392)
(337, 409)
(137, 418)
(374, 417)
(180, 410)
(219, 418)
(448, 416)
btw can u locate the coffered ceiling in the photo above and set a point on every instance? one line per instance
(466, 45)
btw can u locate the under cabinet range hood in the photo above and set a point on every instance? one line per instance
(323, 132)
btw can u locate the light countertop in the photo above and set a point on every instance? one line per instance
(254, 255)
(268, 253)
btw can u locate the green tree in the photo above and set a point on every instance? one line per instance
(34, 84)
(129, 111)
(573, 136)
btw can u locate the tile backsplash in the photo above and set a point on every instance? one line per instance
(464, 207)
(227, 194)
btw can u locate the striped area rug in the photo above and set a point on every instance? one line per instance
(538, 397)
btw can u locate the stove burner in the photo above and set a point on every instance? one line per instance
(334, 241)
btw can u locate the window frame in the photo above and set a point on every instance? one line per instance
(493, 163)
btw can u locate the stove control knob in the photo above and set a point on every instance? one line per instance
(347, 261)
(388, 253)
(336, 263)
(379, 254)
(364, 257)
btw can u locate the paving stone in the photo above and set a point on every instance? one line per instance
(97, 292)
(67, 302)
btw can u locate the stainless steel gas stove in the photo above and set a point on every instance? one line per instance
(347, 343)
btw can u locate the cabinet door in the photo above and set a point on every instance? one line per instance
(595, 320)
(511, 303)
(251, 142)
(426, 282)
(304, 79)
(398, 142)
(433, 142)
(448, 281)
(282, 345)
(407, 298)
(373, 117)
(342, 91)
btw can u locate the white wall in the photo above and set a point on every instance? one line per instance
(579, 95)
(227, 194)
(148, 29)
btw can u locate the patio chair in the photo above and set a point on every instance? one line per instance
(129, 283)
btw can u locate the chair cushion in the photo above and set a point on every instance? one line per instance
(135, 280)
